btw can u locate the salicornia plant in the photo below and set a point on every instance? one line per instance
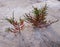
(38, 19)
(17, 26)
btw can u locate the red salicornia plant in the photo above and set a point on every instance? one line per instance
(38, 19)
(17, 26)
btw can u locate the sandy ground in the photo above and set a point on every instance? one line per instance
(18, 6)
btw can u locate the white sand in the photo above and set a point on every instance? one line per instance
(6, 9)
